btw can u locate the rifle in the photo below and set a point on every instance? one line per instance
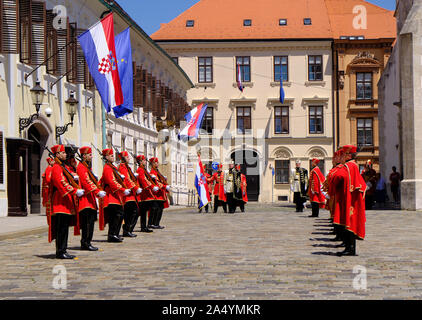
(115, 171)
(66, 172)
(84, 163)
(129, 169)
(160, 176)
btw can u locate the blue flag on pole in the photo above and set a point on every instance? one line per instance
(124, 63)
(282, 95)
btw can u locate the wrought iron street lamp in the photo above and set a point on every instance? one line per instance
(37, 95)
(71, 111)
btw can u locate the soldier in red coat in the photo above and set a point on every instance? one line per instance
(63, 190)
(113, 184)
(46, 179)
(161, 195)
(328, 186)
(130, 201)
(88, 202)
(219, 194)
(147, 199)
(315, 192)
(243, 185)
(352, 202)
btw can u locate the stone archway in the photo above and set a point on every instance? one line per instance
(37, 164)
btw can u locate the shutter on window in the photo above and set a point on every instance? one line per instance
(137, 86)
(25, 19)
(38, 33)
(9, 26)
(80, 60)
(61, 45)
(51, 43)
(1, 158)
(71, 69)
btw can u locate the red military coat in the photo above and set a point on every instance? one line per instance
(331, 203)
(243, 186)
(114, 192)
(316, 179)
(111, 186)
(351, 189)
(218, 177)
(88, 200)
(132, 185)
(161, 194)
(46, 180)
(63, 200)
(147, 194)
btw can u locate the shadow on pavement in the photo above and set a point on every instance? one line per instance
(46, 256)
(325, 253)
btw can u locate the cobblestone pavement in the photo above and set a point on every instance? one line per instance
(268, 252)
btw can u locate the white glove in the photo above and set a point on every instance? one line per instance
(101, 194)
(153, 176)
(168, 188)
(122, 176)
(225, 191)
(136, 174)
(138, 191)
(155, 189)
(126, 192)
(80, 192)
(76, 178)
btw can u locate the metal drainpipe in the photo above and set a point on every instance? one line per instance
(104, 130)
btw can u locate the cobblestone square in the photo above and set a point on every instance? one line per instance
(269, 252)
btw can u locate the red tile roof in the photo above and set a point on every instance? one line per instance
(223, 20)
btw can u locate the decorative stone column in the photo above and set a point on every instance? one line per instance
(411, 92)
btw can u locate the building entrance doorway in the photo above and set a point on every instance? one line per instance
(250, 168)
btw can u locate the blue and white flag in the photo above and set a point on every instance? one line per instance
(124, 63)
(282, 94)
(201, 185)
(194, 119)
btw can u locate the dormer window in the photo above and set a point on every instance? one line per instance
(361, 38)
(352, 38)
(307, 21)
(282, 22)
(343, 37)
(247, 22)
(190, 23)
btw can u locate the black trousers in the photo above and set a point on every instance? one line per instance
(87, 218)
(231, 202)
(154, 211)
(315, 209)
(299, 201)
(350, 241)
(115, 218)
(159, 213)
(144, 207)
(218, 203)
(130, 216)
(62, 222)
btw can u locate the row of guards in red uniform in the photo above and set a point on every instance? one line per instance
(216, 181)
(70, 192)
(345, 192)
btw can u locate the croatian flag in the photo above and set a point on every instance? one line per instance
(194, 119)
(201, 185)
(282, 94)
(100, 54)
(239, 79)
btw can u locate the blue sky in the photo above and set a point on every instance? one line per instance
(149, 14)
